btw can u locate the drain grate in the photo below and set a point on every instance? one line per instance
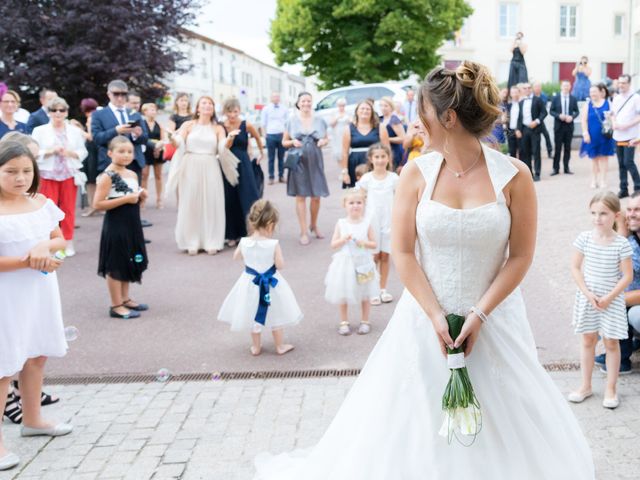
(205, 377)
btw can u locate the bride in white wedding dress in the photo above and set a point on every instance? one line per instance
(464, 234)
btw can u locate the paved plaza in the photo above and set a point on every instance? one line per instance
(211, 430)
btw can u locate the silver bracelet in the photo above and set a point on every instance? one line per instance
(480, 314)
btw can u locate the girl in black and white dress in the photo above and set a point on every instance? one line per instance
(602, 269)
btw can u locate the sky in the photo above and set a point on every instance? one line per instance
(242, 24)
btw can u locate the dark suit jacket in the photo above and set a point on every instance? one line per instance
(103, 129)
(556, 110)
(37, 118)
(538, 112)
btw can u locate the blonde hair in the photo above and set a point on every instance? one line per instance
(352, 192)
(610, 200)
(147, 106)
(469, 90)
(262, 214)
(118, 140)
(388, 101)
(14, 94)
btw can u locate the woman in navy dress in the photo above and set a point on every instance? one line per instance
(596, 146)
(238, 199)
(361, 134)
(395, 130)
(9, 104)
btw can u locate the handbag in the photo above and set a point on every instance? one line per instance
(365, 268)
(292, 159)
(168, 151)
(259, 176)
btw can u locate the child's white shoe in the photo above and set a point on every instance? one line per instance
(364, 328)
(385, 296)
(375, 301)
(344, 329)
(69, 251)
(611, 403)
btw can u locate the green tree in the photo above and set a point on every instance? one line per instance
(367, 40)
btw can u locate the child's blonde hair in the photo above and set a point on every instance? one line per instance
(610, 200)
(351, 192)
(385, 149)
(361, 170)
(262, 214)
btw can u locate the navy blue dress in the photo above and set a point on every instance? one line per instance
(361, 142)
(396, 148)
(599, 145)
(238, 199)
(4, 128)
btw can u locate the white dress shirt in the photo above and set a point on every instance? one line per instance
(274, 118)
(526, 111)
(410, 111)
(116, 112)
(625, 115)
(513, 115)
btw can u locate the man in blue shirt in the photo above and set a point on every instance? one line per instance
(274, 118)
(632, 294)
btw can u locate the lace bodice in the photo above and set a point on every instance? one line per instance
(462, 250)
(202, 139)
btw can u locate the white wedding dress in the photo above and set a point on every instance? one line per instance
(387, 427)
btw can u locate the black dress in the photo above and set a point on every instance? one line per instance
(358, 154)
(517, 69)
(179, 119)
(154, 136)
(123, 255)
(90, 162)
(238, 199)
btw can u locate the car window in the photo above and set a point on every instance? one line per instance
(329, 101)
(358, 94)
(383, 92)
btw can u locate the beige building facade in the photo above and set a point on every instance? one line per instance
(557, 32)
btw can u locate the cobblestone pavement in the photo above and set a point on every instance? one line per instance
(212, 430)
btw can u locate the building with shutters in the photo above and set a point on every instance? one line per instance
(558, 33)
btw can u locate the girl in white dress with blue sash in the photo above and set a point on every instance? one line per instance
(463, 237)
(261, 297)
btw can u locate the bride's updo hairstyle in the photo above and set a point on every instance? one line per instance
(469, 90)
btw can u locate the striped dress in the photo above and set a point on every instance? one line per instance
(601, 270)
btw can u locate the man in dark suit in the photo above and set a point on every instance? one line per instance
(537, 91)
(41, 116)
(532, 114)
(564, 109)
(115, 119)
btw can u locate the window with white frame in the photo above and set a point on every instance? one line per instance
(508, 19)
(221, 73)
(618, 24)
(568, 21)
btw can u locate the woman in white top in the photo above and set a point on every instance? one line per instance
(62, 150)
(337, 124)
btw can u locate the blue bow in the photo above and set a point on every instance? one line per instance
(265, 281)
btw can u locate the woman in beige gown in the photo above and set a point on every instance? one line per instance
(196, 176)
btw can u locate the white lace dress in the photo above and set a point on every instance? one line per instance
(30, 312)
(387, 427)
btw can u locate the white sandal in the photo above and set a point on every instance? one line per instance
(375, 301)
(385, 296)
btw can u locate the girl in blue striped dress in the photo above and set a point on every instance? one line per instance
(602, 269)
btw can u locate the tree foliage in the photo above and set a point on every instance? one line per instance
(77, 46)
(367, 40)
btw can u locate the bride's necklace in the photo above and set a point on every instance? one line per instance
(464, 172)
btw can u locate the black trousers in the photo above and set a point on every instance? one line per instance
(513, 142)
(530, 149)
(547, 138)
(563, 134)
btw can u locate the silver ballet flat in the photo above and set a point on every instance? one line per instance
(55, 431)
(9, 461)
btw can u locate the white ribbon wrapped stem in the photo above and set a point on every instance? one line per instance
(229, 165)
(455, 360)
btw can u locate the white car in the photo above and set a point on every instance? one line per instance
(327, 107)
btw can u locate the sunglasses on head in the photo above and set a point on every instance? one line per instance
(61, 110)
(120, 94)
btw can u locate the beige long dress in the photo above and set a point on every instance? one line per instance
(197, 177)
